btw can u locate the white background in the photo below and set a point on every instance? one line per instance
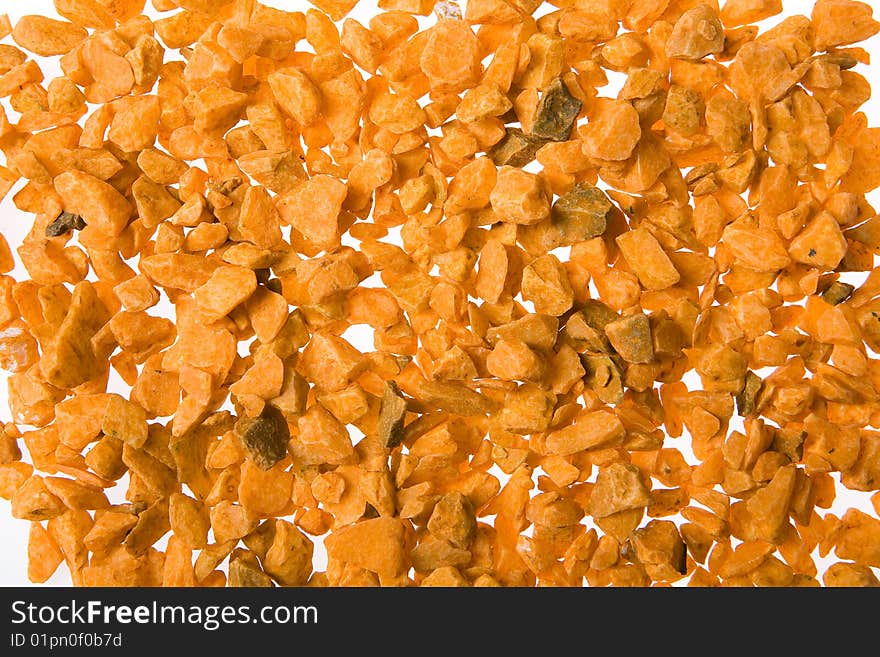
(14, 224)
